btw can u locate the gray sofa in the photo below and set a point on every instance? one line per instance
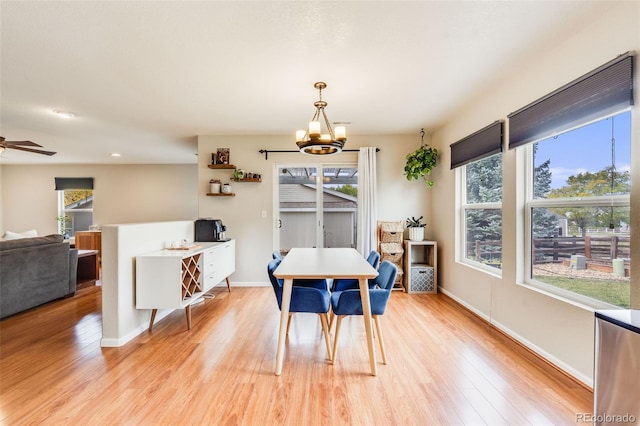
(34, 271)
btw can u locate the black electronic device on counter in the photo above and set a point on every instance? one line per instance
(207, 230)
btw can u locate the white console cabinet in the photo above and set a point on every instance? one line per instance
(174, 279)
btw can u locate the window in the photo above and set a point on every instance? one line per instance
(578, 212)
(481, 212)
(479, 160)
(75, 211)
(578, 143)
(75, 205)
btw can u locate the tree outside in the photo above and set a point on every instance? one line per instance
(602, 183)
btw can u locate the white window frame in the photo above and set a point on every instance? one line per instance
(463, 206)
(531, 203)
(63, 212)
(318, 182)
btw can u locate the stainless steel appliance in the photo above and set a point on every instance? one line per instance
(616, 390)
(210, 230)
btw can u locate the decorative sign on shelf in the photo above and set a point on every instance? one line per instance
(221, 157)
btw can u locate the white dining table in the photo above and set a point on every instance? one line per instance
(304, 263)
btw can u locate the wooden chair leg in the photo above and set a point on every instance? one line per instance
(325, 330)
(153, 318)
(335, 340)
(376, 319)
(187, 311)
(289, 322)
(228, 285)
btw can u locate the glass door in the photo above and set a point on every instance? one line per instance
(299, 220)
(339, 206)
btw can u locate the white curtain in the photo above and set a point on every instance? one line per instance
(367, 200)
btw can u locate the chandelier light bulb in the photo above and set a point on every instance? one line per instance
(314, 129)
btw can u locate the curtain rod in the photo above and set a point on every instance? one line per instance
(267, 151)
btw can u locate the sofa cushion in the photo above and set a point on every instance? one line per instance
(41, 271)
(28, 242)
(16, 235)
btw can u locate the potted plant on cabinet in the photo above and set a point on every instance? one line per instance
(416, 228)
(420, 163)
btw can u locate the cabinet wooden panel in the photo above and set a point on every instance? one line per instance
(89, 240)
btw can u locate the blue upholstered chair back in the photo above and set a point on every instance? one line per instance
(276, 255)
(341, 284)
(374, 259)
(348, 302)
(303, 298)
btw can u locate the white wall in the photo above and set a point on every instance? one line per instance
(123, 194)
(559, 331)
(121, 321)
(397, 198)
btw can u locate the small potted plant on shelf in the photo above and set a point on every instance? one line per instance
(416, 228)
(420, 163)
(238, 175)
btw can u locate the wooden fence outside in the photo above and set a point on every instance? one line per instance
(557, 249)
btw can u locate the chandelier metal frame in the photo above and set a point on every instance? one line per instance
(313, 141)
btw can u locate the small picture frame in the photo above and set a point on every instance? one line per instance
(222, 156)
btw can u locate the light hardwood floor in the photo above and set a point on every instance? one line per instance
(445, 366)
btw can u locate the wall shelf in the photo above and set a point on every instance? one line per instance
(220, 194)
(221, 166)
(247, 180)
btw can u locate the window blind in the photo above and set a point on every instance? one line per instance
(604, 91)
(63, 183)
(481, 144)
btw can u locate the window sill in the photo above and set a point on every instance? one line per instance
(480, 267)
(574, 299)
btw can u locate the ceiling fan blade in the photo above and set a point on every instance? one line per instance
(23, 143)
(37, 151)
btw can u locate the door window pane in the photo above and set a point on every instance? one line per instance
(298, 207)
(340, 206)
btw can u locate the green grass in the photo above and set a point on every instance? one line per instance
(611, 291)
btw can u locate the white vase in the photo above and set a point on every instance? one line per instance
(416, 234)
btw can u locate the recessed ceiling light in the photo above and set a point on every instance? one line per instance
(115, 154)
(65, 114)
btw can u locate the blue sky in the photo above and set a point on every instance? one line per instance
(587, 149)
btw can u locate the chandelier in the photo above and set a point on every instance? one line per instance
(312, 141)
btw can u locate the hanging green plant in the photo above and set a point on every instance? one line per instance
(421, 162)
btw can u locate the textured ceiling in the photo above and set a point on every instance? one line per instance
(145, 78)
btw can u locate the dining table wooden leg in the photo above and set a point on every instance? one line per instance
(366, 314)
(284, 318)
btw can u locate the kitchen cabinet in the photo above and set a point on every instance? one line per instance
(175, 279)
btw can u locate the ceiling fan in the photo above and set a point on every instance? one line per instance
(21, 145)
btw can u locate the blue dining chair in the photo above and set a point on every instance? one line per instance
(303, 299)
(348, 302)
(319, 283)
(340, 284)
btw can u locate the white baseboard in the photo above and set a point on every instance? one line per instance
(482, 315)
(116, 342)
(588, 381)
